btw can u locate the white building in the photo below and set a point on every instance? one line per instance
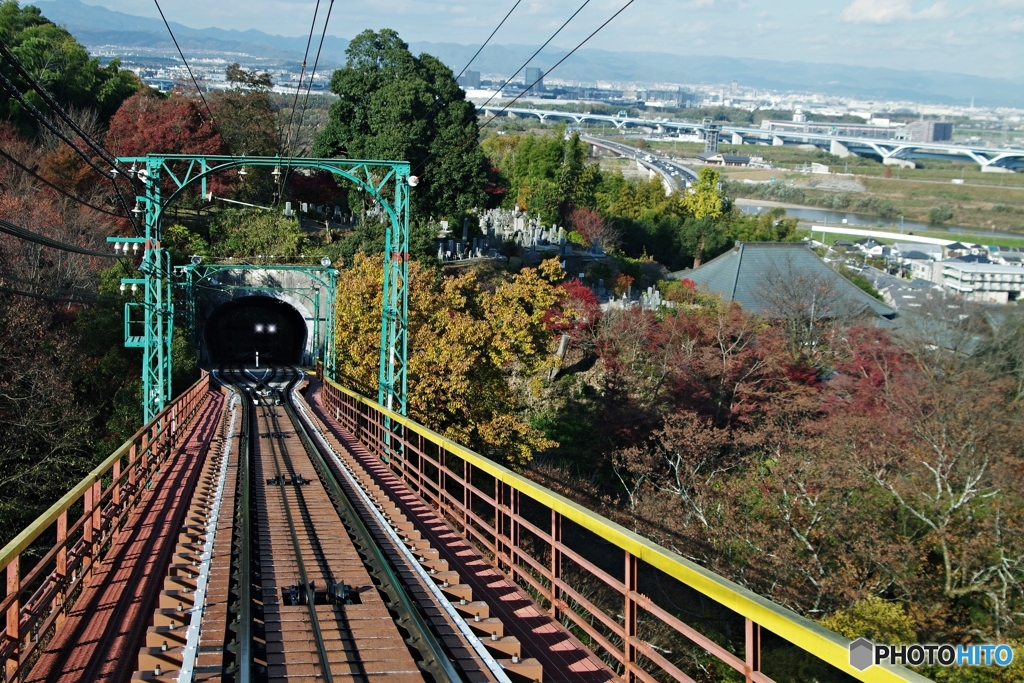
(983, 282)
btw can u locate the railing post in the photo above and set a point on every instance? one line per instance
(133, 467)
(97, 517)
(115, 495)
(61, 573)
(629, 617)
(556, 562)
(87, 533)
(514, 531)
(752, 650)
(467, 496)
(14, 617)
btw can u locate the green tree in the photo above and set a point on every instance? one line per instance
(259, 236)
(60, 64)
(770, 226)
(703, 237)
(394, 105)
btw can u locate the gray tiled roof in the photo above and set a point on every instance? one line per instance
(739, 275)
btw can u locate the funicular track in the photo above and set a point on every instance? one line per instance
(324, 601)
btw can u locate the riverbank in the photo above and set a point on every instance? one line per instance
(815, 216)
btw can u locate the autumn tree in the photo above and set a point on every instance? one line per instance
(177, 124)
(465, 345)
(592, 226)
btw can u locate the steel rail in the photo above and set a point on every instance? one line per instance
(278, 461)
(442, 668)
(240, 606)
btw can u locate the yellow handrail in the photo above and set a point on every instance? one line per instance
(24, 539)
(824, 644)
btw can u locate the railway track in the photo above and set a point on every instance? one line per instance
(323, 603)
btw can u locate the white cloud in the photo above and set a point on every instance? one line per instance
(888, 11)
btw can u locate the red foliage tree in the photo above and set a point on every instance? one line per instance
(577, 313)
(178, 124)
(592, 225)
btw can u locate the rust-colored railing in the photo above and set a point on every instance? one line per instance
(35, 603)
(649, 613)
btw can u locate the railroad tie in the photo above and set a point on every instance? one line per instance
(507, 650)
(161, 656)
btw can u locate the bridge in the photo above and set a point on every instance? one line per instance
(673, 174)
(271, 524)
(890, 152)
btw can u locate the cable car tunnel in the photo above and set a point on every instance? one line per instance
(236, 330)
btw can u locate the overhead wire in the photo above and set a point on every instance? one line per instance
(558, 63)
(312, 74)
(44, 285)
(500, 24)
(22, 233)
(209, 111)
(539, 49)
(100, 151)
(49, 184)
(302, 73)
(61, 300)
(49, 125)
(530, 87)
(509, 79)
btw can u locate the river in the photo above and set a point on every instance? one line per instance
(835, 218)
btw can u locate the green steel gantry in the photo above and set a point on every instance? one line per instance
(388, 182)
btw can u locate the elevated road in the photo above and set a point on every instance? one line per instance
(887, 151)
(673, 174)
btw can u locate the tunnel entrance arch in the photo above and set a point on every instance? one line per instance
(257, 326)
(242, 292)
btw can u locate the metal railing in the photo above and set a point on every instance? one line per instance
(106, 497)
(649, 613)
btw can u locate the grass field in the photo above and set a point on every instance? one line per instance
(987, 201)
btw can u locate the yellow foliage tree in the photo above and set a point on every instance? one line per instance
(464, 345)
(704, 200)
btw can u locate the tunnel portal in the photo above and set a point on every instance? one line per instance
(236, 330)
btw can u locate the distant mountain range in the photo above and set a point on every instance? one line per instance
(95, 26)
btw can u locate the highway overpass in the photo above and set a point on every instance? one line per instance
(673, 174)
(890, 152)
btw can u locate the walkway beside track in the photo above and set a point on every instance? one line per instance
(100, 639)
(562, 655)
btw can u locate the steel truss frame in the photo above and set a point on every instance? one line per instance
(388, 182)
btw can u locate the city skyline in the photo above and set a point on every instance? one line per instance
(983, 38)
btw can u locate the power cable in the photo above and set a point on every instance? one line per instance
(546, 43)
(312, 74)
(57, 109)
(302, 72)
(503, 109)
(488, 39)
(46, 182)
(209, 111)
(61, 300)
(42, 118)
(509, 79)
(559, 63)
(53, 287)
(22, 233)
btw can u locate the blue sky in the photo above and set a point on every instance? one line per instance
(985, 37)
